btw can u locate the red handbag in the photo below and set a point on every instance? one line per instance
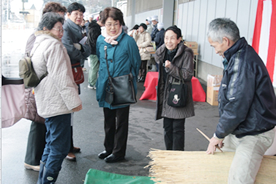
(77, 73)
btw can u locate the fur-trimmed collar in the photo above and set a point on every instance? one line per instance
(37, 33)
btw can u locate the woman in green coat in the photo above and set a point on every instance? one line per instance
(123, 57)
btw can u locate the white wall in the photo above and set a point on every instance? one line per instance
(141, 17)
(194, 17)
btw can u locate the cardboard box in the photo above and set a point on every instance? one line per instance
(193, 46)
(213, 84)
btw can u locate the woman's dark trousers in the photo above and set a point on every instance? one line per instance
(36, 143)
(116, 130)
(174, 133)
(143, 70)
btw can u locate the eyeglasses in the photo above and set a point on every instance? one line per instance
(59, 30)
(77, 14)
(110, 25)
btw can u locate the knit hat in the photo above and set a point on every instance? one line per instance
(155, 17)
(144, 26)
(160, 25)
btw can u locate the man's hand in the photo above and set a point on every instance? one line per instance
(212, 145)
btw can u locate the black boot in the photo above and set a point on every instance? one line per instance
(41, 169)
(49, 178)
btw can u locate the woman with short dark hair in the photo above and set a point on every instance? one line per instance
(75, 7)
(133, 31)
(143, 40)
(122, 54)
(73, 34)
(175, 60)
(77, 51)
(56, 95)
(112, 13)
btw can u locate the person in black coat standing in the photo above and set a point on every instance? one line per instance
(159, 39)
(94, 30)
(154, 21)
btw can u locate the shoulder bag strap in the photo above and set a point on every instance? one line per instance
(105, 56)
(180, 76)
(107, 66)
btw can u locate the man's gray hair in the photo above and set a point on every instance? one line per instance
(49, 20)
(223, 27)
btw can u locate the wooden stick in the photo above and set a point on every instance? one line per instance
(203, 134)
(208, 138)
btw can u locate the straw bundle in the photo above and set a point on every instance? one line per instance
(198, 167)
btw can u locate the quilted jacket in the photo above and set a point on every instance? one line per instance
(57, 93)
(143, 40)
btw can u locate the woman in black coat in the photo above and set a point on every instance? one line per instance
(173, 56)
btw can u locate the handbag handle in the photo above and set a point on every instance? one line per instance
(14, 81)
(180, 76)
(105, 56)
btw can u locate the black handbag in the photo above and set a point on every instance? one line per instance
(178, 91)
(119, 90)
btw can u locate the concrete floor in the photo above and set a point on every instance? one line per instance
(144, 133)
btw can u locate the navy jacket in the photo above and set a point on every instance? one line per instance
(159, 39)
(247, 102)
(154, 32)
